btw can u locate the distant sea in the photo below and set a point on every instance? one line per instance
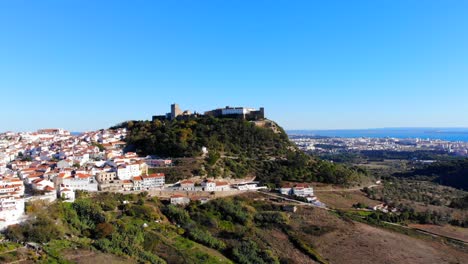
(448, 134)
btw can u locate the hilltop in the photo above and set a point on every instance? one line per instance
(236, 148)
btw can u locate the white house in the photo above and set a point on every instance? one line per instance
(123, 172)
(41, 184)
(67, 194)
(79, 181)
(286, 189)
(151, 181)
(11, 211)
(134, 169)
(187, 185)
(303, 190)
(222, 186)
(12, 186)
(137, 183)
(179, 200)
(247, 186)
(300, 189)
(208, 185)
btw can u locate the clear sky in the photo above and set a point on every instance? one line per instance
(84, 65)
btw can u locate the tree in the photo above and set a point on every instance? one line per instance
(103, 230)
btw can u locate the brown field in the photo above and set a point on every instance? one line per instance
(279, 243)
(80, 256)
(344, 199)
(447, 230)
(341, 241)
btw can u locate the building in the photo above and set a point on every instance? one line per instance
(67, 194)
(238, 112)
(127, 185)
(137, 183)
(42, 184)
(286, 189)
(53, 131)
(248, 186)
(187, 185)
(208, 185)
(123, 172)
(179, 200)
(111, 186)
(201, 199)
(222, 186)
(300, 189)
(106, 176)
(11, 210)
(78, 181)
(153, 181)
(303, 190)
(175, 111)
(152, 163)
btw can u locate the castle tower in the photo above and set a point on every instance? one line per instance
(175, 111)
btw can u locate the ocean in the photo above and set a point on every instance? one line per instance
(448, 134)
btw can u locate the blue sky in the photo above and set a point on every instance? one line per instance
(85, 65)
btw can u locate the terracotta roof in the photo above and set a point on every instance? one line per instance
(48, 188)
(221, 183)
(82, 175)
(177, 196)
(302, 185)
(156, 175)
(186, 182)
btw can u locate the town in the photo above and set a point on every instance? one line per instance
(333, 145)
(52, 164)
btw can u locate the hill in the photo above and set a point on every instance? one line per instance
(237, 148)
(452, 173)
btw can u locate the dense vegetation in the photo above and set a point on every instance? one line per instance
(460, 203)
(237, 148)
(451, 173)
(395, 190)
(145, 230)
(431, 200)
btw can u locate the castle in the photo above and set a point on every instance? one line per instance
(176, 113)
(245, 113)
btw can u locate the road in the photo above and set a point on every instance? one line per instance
(427, 232)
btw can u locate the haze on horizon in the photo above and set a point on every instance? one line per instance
(84, 65)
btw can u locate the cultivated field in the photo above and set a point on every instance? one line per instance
(341, 241)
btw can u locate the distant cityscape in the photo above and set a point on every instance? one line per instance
(333, 145)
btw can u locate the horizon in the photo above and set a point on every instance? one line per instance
(460, 129)
(337, 65)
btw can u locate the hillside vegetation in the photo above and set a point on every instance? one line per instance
(237, 148)
(244, 229)
(144, 230)
(451, 173)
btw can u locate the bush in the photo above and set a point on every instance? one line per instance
(271, 218)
